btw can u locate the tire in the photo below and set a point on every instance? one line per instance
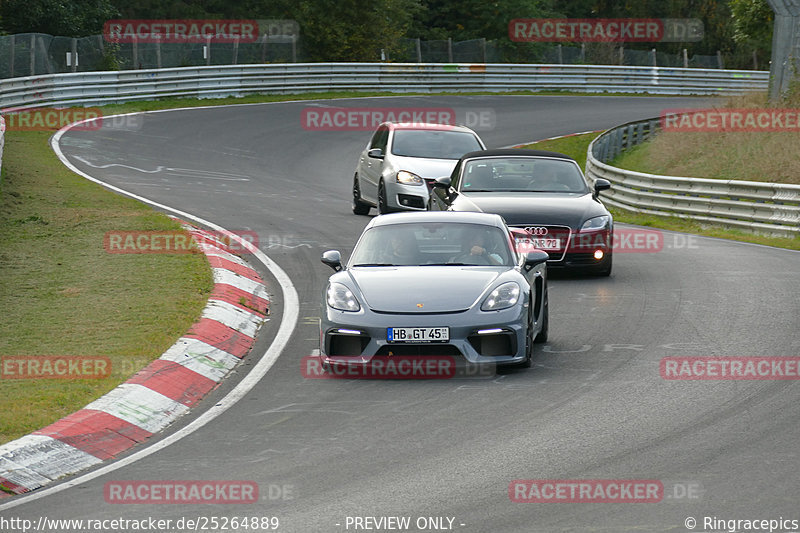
(359, 207)
(528, 341)
(383, 207)
(542, 336)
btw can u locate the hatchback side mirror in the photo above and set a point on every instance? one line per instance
(375, 153)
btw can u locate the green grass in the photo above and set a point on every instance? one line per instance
(62, 294)
(576, 147)
(748, 156)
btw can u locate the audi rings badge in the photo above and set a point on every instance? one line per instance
(536, 230)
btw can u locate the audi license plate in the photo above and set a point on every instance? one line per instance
(418, 334)
(542, 243)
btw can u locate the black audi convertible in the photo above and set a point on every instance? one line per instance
(543, 197)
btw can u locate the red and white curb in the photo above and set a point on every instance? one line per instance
(158, 394)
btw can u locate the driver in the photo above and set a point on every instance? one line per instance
(477, 251)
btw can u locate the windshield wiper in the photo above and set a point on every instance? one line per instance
(375, 265)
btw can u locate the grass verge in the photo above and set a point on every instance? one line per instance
(576, 147)
(63, 294)
(769, 156)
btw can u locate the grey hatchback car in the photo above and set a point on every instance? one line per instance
(401, 160)
(435, 284)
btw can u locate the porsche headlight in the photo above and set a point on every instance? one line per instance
(342, 298)
(601, 222)
(409, 178)
(502, 297)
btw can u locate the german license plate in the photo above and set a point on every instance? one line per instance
(540, 243)
(418, 334)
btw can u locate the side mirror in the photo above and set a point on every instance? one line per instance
(442, 183)
(601, 185)
(333, 259)
(534, 259)
(375, 153)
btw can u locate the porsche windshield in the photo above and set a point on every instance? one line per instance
(416, 244)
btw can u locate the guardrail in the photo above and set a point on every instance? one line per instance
(762, 207)
(96, 88)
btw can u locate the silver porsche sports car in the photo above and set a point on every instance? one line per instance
(435, 284)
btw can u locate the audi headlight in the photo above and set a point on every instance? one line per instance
(601, 222)
(342, 298)
(502, 297)
(409, 178)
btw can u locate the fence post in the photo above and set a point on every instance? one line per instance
(235, 49)
(655, 62)
(483, 48)
(560, 56)
(719, 59)
(32, 54)
(74, 48)
(419, 51)
(583, 52)
(449, 50)
(208, 50)
(294, 48)
(158, 54)
(11, 63)
(264, 48)
(685, 58)
(755, 60)
(621, 54)
(135, 48)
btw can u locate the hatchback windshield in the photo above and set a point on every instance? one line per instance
(433, 244)
(434, 144)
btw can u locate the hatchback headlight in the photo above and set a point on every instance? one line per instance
(409, 178)
(502, 297)
(342, 298)
(601, 222)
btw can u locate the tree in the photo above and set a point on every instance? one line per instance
(752, 24)
(352, 30)
(75, 18)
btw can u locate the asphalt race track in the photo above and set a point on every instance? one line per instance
(594, 406)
